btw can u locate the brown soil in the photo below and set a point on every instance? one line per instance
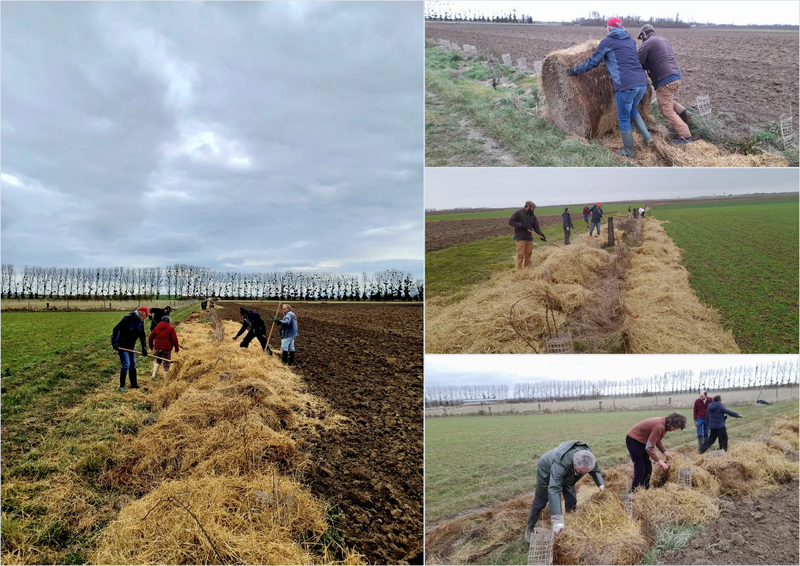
(366, 360)
(445, 234)
(758, 530)
(752, 89)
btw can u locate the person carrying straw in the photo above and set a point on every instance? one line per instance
(644, 438)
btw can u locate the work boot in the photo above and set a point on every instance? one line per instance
(681, 141)
(123, 390)
(700, 441)
(638, 122)
(132, 374)
(243, 345)
(686, 116)
(528, 533)
(627, 144)
(285, 357)
(122, 374)
(291, 358)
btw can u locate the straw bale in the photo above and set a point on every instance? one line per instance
(481, 323)
(701, 479)
(600, 532)
(777, 443)
(583, 104)
(672, 504)
(217, 520)
(701, 153)
(735, 477)
(668, 316)
(769, 466)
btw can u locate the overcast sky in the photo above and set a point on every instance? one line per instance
(716, 11)
(238, 136)
(473, 369)
(508, 187)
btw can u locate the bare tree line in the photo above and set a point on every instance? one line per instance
(183, 281)
(683, 381)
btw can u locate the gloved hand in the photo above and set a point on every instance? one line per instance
(275, 319)
(558, 523)
(543, 239)
(571, 71)
(144, 352)
(115, 347)
(602, 487)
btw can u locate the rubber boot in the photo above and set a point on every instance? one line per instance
(627, 144)
(155, 370)
(132, 375)
(528, 535)
(122, 374)
(686, 116)
(641, 127)
(700, 441)
(285, 357)
(291, 358)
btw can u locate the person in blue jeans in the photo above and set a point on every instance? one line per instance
(597, 215)
(288, 334)
(717, 415)
(701, 417)
(125, 334)
(618, 50)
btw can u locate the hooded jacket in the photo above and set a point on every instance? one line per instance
(555, 473)
(658, 60)
(164, 337)
(252, 321)
(156, 314)
(618, 50)
(522, 222)
(289, 325)
(597, 213)
(566, 220)
(717, 413)
(128, 331)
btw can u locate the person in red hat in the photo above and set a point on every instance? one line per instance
(618, 50)
(125, 334)
(597, 215)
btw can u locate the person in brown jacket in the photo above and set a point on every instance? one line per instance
(525, 224)
(162, 340)
(700, 417)
(644, 438)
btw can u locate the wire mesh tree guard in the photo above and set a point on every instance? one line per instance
(537, 67)
(556, 342)
(506, 59)
(541, 549)
(627, 501)
(522, 64)
(685, 476)
(703, 105)
(716, 453)
(788, 135)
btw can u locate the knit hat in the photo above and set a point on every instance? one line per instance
(144, 310)
(166, 319)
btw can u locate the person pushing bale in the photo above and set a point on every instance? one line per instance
(255, 327)
(618, 50)
(644, 438)
(525, 224)
(162, 340)
(123, 340)
(557, 472)
(717, 415)
(288, 334)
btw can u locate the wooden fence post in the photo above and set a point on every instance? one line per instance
(611, 231)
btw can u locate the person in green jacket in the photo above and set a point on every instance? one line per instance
(557, 472)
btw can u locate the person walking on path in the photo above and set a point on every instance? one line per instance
(586, 214)
(557, 472)
(717, 415)
(525, 224)
(658, 60)
(618, 50)
(288, 334)
(157, 315)
(125, 334)
(644, 438)
(566, 220)
(700, 416)
(162, 340)
(254, 324)
(597, 216)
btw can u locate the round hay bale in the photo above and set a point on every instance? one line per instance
(582, 104)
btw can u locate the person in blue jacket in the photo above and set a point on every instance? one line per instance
(288, 334)
(125, 334)
(717, 414)
(618, 50)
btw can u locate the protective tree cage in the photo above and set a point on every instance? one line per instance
(583, 104)
(541, 549)
(685, 476)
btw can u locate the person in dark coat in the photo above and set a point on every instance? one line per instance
(125, 334)
(525, 224)
(618, 50)
(157, 314)
(566, 221)
(597, 216)
(658, 60)
(254, 324)
(717, 415)
(700, 415)
(162, 341)
(557, 472)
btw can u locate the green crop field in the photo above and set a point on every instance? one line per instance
(541, 211)
(477, 462)
(743, 257)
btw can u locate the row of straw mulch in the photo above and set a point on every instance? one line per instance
(216, 471)
(601, 530)
(638, 297)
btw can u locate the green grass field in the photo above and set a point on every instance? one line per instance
(743, 257)
(540, 211)
(477, 462)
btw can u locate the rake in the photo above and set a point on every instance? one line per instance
(278, 310)
(149, 356)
